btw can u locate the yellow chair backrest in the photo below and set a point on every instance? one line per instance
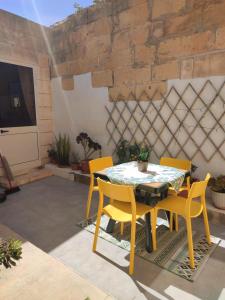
(197, 191)
(100, 164)
(176, 163)
(198, 188)
(122, 193)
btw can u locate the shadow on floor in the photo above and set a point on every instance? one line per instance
(46, 212)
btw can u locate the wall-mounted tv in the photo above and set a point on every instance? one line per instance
(17, 98)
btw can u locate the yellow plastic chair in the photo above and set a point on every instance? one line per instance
(96, 165)
(123, 208)
(188, 209)
(181, 164)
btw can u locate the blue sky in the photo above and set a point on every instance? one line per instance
(45, 12)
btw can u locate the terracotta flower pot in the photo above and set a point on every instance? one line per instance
(85, 166)
(75, 166)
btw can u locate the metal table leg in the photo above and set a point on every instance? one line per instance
(148, 232)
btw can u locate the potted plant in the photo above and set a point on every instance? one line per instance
(52, 155)
(134, 151)
(122, 152)
(89, 147)
(217, 186)
(75, 164)
(143, 158)
(62, 145)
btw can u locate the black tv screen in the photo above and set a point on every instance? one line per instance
(17, 99)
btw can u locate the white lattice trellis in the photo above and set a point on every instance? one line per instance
(182, 124)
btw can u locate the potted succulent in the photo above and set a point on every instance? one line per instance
(143, 158)
(89, 147)
(217, 186)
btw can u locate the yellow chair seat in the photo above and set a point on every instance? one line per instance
(182, 188)
(177, 205)
(122, 211)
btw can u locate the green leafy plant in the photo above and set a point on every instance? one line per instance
(10, 251)
(122, 152)
(144, 154)
(134, 151)
(217, 184)
(62, 145)
(89, 146)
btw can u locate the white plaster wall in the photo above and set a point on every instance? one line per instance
(83, 109)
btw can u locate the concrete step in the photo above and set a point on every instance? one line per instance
(68, 173)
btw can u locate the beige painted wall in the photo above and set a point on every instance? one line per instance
(133, 46)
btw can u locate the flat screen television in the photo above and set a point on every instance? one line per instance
(17, 98)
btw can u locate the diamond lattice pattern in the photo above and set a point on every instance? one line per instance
(183, 124)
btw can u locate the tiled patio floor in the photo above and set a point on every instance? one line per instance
(46, 213)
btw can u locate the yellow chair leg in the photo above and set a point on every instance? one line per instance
(132, 247)
(176, 223)
(96, 231)
(190, 243)
(206, 223)
(89, 202)
(171, 221)
(153, 223)
(121, 228)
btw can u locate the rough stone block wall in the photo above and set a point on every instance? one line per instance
(135, 45)
(22, 42)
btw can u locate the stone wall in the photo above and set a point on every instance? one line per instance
(22, 42)
(132, 46)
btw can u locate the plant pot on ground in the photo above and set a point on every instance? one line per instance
(217, 186)
(52, 155)
(89, 148)
(143, 159)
